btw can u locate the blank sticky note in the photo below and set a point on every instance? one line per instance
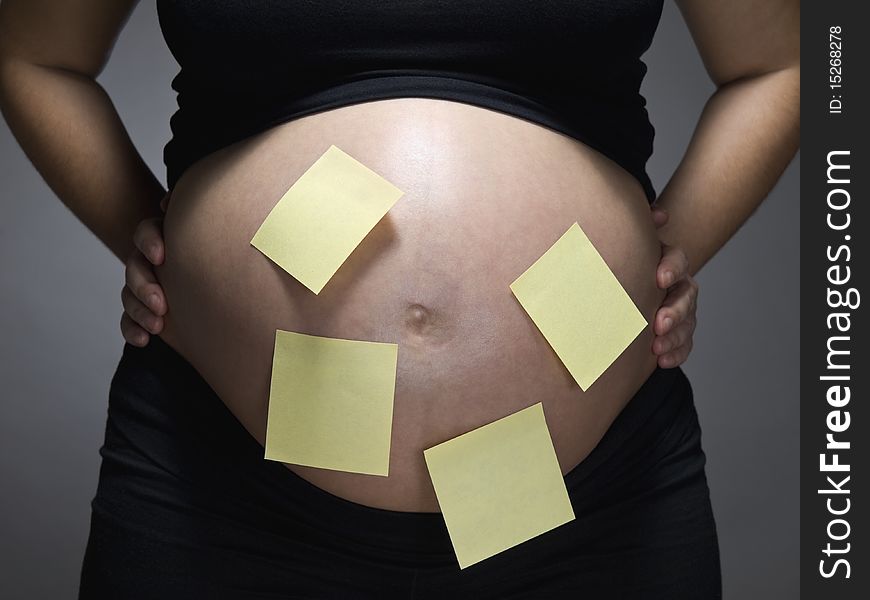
(579, 306)
(331, 403)
(499, 485)
(324, 215)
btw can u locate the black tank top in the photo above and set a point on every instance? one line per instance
(571, 65)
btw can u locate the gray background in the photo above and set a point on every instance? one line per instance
(60, 341)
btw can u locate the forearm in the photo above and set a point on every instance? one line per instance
(747, 134)
(71, 132)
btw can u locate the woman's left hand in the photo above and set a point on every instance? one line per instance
(674, 323)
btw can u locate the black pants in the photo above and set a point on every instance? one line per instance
(188, 508)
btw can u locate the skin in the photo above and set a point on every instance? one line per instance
(746, 136)
(750, 127)
(145, 303)
(751, 120)
(432, 276)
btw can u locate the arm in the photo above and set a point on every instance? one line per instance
(51, 52)
(750, 128)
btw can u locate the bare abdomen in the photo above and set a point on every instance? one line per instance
(485, 195)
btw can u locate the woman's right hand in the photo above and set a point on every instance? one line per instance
(142, 297)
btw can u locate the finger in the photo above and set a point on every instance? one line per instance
(677, 357)
(659, 216)
(132, 333)
(148, 239)
(139, 277)
(140, 313)
(675, 339)
(680, 303)
(673, 266)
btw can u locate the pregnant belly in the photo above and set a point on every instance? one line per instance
(485, 195)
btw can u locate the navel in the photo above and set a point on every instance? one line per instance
(423, 325)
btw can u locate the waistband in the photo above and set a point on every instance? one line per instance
(169, 433)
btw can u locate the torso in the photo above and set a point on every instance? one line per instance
(485, 195)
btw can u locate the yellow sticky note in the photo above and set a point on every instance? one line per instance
(579, 306)
(324, 215)
(331, 403)
(499, 485)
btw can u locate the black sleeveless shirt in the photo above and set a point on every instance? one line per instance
(571, 65)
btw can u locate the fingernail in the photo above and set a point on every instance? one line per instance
(152, 253)
(669, 278)
(667, 322)
(666, 362)
(154, 302)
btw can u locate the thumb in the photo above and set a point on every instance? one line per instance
(659, 216)
(164, 202)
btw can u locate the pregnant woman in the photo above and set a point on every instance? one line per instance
(503, 123)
